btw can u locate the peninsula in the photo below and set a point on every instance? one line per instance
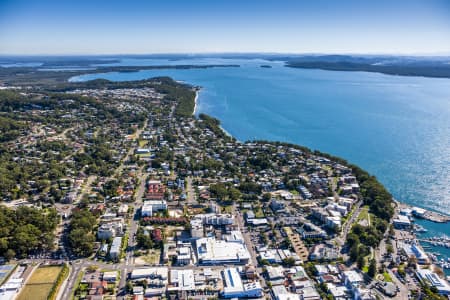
(130, 192)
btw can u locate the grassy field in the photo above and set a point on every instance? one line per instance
(364, 216)
(39, 285)
(387, 277)
(142, 143)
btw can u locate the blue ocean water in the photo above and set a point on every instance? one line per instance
(397, 128)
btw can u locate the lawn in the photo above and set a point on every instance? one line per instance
(387, 277)
(40, 283)
(45, 275)
(35, 292)
(364, 217)
(142, 143)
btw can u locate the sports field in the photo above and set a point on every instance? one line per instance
(39, 285)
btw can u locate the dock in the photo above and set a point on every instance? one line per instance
(436, 217)
(422, 213)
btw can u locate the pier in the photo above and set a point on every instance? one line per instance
(436, 217)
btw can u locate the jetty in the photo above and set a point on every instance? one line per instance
(422, 213)
(436, 217)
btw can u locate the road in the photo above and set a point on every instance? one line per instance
(340, 240)
(190, 192)
(123, 267)
(248, 242)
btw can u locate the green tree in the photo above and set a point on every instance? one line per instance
(372, 271)
(360, 262)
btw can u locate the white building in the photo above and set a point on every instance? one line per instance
(216, 219)
(235, 236)
(151, 206)
(183, 256)
(150, 273)
(215, 252)
(110, 230)
(281, 293)
(352, 278)
(183, 280)
(114, 251)
(275, 273)
(196, 228)
(433, 279)
(110, 276)
(402, 222)
(415, 251)
(235, 288)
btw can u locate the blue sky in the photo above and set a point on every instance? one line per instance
(198, 26)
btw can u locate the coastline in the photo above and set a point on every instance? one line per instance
(195, 102)
(194, 113)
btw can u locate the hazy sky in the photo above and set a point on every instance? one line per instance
(193, 26)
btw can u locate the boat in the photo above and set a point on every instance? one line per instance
(419, 228)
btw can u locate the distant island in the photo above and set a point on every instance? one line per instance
(404, 66)
(266, 66)
(56, 72)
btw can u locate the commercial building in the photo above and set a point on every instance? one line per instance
(182, 280)
(235, 288)
(215, 252)
(414, 250)
(183, 255)
(431, 278)
(150, 273)
(196, 228)
(216, 219)
(402, 222)
(110, 276)
(281, 293)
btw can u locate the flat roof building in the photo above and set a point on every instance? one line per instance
(151, 206)
(152, 273)
(433, 279)
(234, 288)
(114, 251)
(183, 279)
(215, 252)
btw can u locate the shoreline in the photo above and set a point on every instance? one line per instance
(195, 102)
(194, 113)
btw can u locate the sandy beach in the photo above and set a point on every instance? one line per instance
(195, 102)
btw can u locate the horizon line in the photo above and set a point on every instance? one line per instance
(59, 54)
